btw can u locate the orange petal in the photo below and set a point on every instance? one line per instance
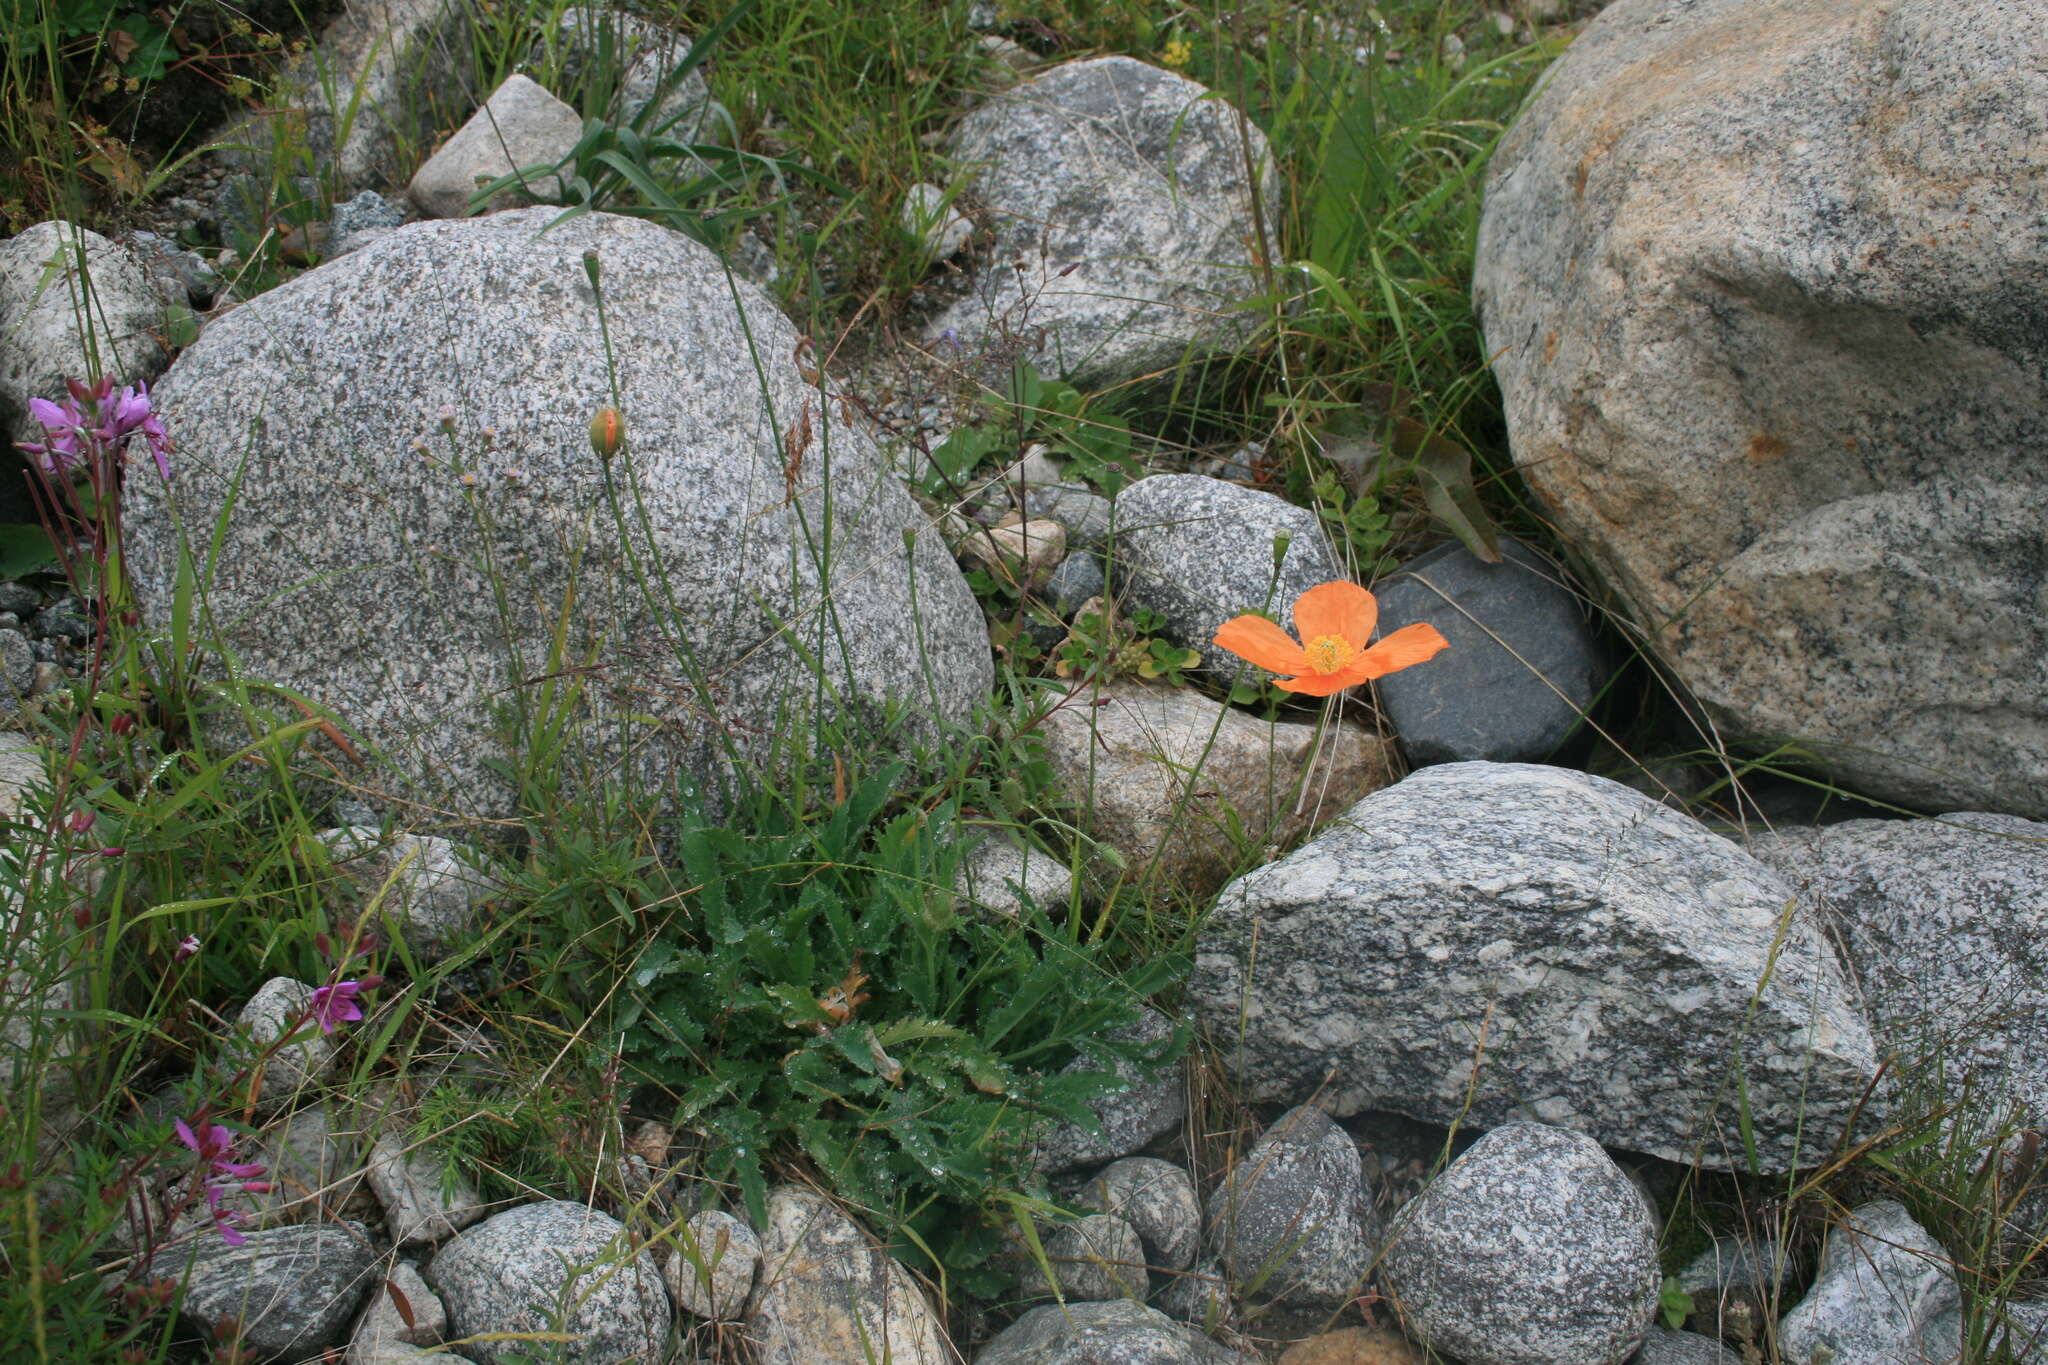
(1321, 684)
(1408, 645)
(1259, 641)
(1336, 608)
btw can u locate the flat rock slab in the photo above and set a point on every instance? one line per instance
(1522, 667)
(357, 568)
(1134, 176)
(1532, 1248)
(1762, 282)
(554, 1266)
(292, 1289)
(1599, 955)
(1884, 1292)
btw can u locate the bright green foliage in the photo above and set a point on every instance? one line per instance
(1093, 443)
(1102, 647)
(824, 994)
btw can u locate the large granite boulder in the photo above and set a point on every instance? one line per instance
(1484, 942)
(1123, 191)
(1763, 281)
(357, 566)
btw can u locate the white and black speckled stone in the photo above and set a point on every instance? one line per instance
(1764, 284)
(385, 1336)
(1522, 667)
(353, 569)
(1665, 1347)
(1600, 953)
(1199, 551)
(1091, 1259)
(1293, 1223)
(1132, 1118)
(1533, 1248)
(281, 1007)
(1885, 1294)
(1115, 1333)
(827, 1291)
(1139, 176)
(1157, 1198)
(1946, 924)
(438, 888)
(293, 1289)
(553, 1266)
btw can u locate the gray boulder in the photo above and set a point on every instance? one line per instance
(291, 1290)
(1157, 1198)
(1003, 877)
(1533, 1248)
(1884, 1295)
(1293, 1224)
(521, 126)
(1522, 667)
(328, 381)
(1199, 551)
(1484, 942)
(553, 1266)
(1137, 177)
(1762, 287)
(1114, 1333)
(284, 1071)
(311, 1166)
(826, 1291)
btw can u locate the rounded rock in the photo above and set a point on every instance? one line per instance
(711, 1272)
(1157, 1198)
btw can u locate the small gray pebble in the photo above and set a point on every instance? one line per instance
(45, 650)
(20, 599)
(64, 619)
(17, 665)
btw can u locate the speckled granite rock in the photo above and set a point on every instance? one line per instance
(1533, 1248)
(827, 1291)
(420, 1204)
(517, 1269)
(438, 888)
(387, 1335)
(1130, 1119)
(1522, 667)
(1114, 1333)
(324, 384)
(644, 54)
(1157, 1198)
(1173, 780)
(1090, 1259)
(1199, 551)
(292, 1289)
(1762, 281)
(1606, 949)
(1884, 1295)
(1293, 1223)
(280, 1008)
(711, 1271)
(1136, 174)
(1666, 1347)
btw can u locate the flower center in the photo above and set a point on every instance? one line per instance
(1328, 653)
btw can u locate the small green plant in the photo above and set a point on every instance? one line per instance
(1102, 645)
(1093, 442)
(821, 992)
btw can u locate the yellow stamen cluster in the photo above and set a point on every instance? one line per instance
(1328, 653)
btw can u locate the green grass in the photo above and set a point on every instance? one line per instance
(640, 956)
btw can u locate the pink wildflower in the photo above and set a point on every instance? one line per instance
(336, 1004)
(215, 1147)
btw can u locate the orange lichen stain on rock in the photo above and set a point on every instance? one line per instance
(1549, 347)
(1764, 448)
(1355, 1346)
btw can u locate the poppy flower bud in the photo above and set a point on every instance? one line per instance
(607, 433)
(590, 266)
(1280, 543)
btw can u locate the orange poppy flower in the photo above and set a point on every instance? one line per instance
(1335, 620)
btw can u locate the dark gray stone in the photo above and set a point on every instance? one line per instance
(1666, 1347)
(17, 667)
(1131, 1119)
(1200, 551)
(1084, 512)
(1884, 1295)
(1533, 1248)
(360, 221)
(1736, 1287)
(20, 598)
(1200, 1297)
(1522, 667)
(1600, 954)
(553, 1266)
(182, 276)
(292, 1289)
(1115, 1333)
(1078, 578)
(1157, 1198)
(328, 381)
(66, 620)
(1293, 1223)
(1136, 175)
